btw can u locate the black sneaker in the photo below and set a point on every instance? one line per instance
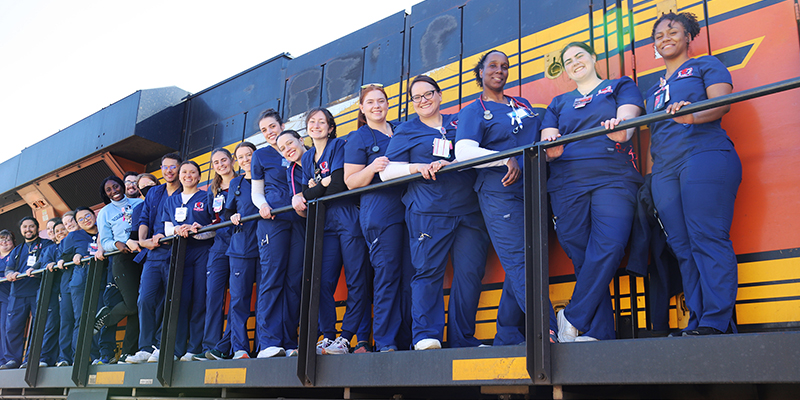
(215, 354)
(100, 319)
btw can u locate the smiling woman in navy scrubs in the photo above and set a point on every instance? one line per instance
(592, 185)
(696, 175)
(381, 215)
(185, 213)
(323, 170)
(492, 123)
(280, 240)
(443, 219)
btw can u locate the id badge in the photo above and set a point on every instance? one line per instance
(219, 201)
(582, 101)
(31, 260)
(661, 98)
(442, 147)
(180, 214)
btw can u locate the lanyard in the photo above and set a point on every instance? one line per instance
(294, 190)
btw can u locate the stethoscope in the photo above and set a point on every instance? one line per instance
(375, 148)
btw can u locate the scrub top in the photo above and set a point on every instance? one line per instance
(450, 193)
(332, 158)
(223, 237)
(244, 242)
(598, 157)
(379, 206)
(670, 142)
(268, 165)
(499, 127)
(197, 210)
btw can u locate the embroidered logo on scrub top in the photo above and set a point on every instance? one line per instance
(199, 206)
(685, 72)
(323, 167)
(454, 123)
(605, 90)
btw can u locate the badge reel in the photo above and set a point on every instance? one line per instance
(180, 214)
(219, 201)
(442, 146)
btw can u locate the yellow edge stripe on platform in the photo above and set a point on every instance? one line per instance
(484, 369)
(226, 376)
(110, 378)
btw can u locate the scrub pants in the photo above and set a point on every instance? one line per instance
(3, 324)
(280, 274)
(242, 276)
(19, 310)
(593, 224)
(386, 250)
(67, 318)
(192, 316)
(432, 238)
(504, 215)
(344, 243)
(695, 202)
(151, 303)
(219, 267)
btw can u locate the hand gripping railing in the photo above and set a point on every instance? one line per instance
(536, 253)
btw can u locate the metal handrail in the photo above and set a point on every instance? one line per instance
(728, 99)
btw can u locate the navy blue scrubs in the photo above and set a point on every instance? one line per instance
(280, 248)
(593, 187)
(343, 243)
(383, 225)
(503, 207)
(155, 270)
(696, 175)
(217, 273)
(22, 300)
(5, 291)
(443, 218)
(50, 348)
(191, 316)
(243, 253)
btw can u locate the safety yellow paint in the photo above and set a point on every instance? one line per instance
(225, 376)
(484, 369)
(110, 378)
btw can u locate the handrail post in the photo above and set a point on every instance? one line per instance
(309, 303)
(537, 273)
(38, 327)
(95, 279)
(172, 305)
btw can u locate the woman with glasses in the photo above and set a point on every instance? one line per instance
(323, 170)
(493, 123)
(7, 244)
(592, 186)
(443, 219)
(280, 239)
(381, 216)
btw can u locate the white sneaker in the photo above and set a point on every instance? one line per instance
(585, 339)
(272, 351)
(187, 357)
(339, 346)
(240, 354)
(139, 357)
(566, 332)
(428, 344)
(322, 345)
(154, 357)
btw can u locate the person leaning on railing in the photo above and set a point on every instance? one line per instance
(443, 219)
(7, 243)
(592, 186)
(323, 171)
(496, 122)
(696, 175)
(381, 216)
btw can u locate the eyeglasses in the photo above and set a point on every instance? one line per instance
(427, 96)
(377, 85)
(130, 183)
(169, 167)
(87, 218)
(6, 241)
